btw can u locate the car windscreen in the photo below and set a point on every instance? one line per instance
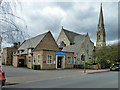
(116, 65)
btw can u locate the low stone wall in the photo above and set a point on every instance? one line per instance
(91, 66)
(87, 66)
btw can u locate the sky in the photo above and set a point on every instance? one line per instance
(79, 17)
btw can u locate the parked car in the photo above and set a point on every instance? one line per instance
(2, 77)
(115, 67)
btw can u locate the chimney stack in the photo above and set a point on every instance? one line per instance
(18, 44)
(15, 45)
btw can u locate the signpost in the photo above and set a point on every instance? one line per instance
(72, 62)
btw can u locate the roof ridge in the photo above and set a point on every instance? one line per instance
(80, 35)
(36, 36)
(71, 31)
(31, 40)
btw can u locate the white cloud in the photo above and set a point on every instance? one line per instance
(112, 42)
(81, 17)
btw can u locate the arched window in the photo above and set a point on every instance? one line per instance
(99, 37)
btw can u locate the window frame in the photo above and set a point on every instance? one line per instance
(29, 59)
(48, 61)
(34, 57)
(39, 58)
(70, 60)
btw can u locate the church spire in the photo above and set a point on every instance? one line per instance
(101, 21)
(100, 39)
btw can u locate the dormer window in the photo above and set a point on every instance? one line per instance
(29, 50)
(20, 51)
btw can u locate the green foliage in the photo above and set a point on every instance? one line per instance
(107, 55)
(89, 63)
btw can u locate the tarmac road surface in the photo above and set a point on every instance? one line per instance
(95, 80)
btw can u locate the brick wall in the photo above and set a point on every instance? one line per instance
(48, 42)
(72, 58)
(15, 61)
(8, 55)
(44, 54)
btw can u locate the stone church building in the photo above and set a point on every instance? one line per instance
(100, 36)
(80, 44)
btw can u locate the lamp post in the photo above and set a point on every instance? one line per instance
(84, 64)
(83, 59)
(86, 50)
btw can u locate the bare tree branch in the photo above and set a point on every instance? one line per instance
(11, 31)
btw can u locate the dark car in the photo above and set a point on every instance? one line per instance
(2, 77)
(115, 67)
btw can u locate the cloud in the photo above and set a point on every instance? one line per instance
(80, 17)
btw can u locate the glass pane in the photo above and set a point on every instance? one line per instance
(48, 56)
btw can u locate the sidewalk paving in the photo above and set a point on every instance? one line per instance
(39, 77)
(95, 71)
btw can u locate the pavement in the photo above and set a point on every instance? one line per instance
(95, 71)
(24, 75)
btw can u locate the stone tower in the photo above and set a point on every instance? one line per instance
(100, 39)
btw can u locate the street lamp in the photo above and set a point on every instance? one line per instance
(86, 50)
(84, 64)
(83, 59)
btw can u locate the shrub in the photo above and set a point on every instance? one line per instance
(89, 63)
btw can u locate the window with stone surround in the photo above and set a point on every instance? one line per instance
(34, 59)
(49, 59)
(39, 59)
(29, 59)
(69, 60)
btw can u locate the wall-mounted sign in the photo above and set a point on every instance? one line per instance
(59, 53)
(44, 61)
(78, 59)
(54, 62)
(72, 61)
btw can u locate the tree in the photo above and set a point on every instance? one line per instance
(10, 30)
(106, 56)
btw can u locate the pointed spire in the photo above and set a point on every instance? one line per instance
(87, 33)
(62, 27)
(101, 22)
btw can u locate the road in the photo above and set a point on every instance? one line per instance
(96, 80)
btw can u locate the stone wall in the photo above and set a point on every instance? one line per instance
(8, 55)
(63, 37)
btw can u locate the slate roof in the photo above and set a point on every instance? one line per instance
(73, 37)
(79, 39)
(31, 43)
(72, 48)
